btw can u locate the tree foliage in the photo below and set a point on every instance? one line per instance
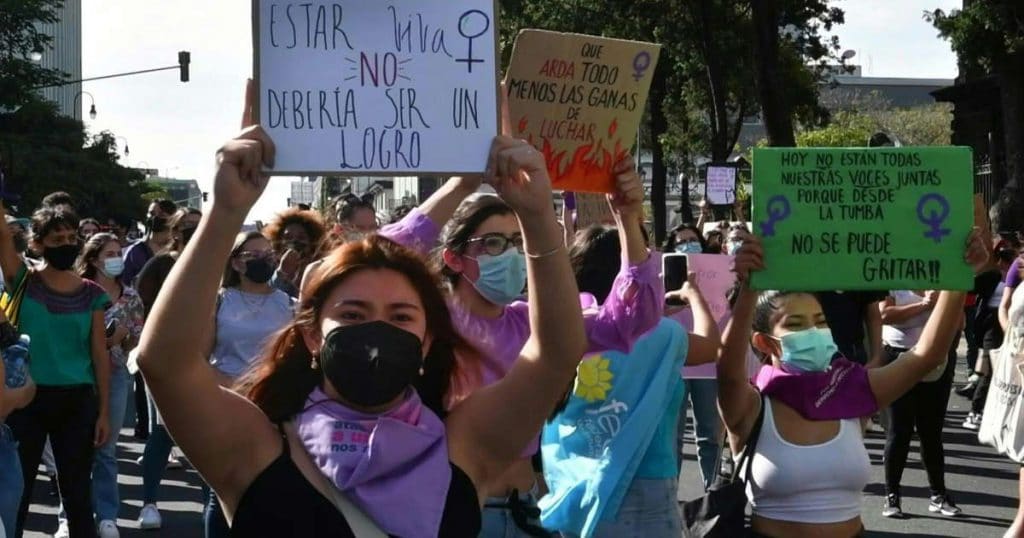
(927, 125)
(43, 152)
(988, 37)
(19, 38)
(705, 83)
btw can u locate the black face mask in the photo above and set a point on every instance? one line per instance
(259, 270)
(156, 225)
(61, 258)
(186, 235)
(372, 363)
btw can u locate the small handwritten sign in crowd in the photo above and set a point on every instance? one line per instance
(720, 186)
(579, 100)
(362, 88)
(863, 218)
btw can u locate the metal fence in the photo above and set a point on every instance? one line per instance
(985, 184)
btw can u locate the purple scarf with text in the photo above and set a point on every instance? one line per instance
(393, 466)
(843, 391)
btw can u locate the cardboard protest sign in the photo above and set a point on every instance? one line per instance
(714, 279)
(592, 209)
(720, 185)
(351, 87)
(863, 218)
(579, 100)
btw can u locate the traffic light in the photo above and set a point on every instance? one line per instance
(184, 58)
(206, 196)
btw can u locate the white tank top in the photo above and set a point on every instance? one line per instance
(808, 484)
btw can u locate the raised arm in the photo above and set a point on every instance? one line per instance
(892, 381)
(635, 303)
(873, 327)
(705, 341)
(486, 433)
(10, 259)
(420, 229)
(738, 400)
(227, 438)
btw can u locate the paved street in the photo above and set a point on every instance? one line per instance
(984, 485)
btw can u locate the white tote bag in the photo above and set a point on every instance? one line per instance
(1002, 422)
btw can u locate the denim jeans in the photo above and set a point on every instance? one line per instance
(11, 481)
(703, 395)
(106, 500)
(215, 524)
(105, 496)
(649, 509)
(154, 456)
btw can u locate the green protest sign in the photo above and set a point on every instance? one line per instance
(863, 218)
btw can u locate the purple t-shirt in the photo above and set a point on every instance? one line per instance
(1013, 275)
(632, 308)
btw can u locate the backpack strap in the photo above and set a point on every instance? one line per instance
(751, 448)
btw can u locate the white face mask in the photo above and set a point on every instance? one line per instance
(113, 267)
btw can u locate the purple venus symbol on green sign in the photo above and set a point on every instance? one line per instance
(778, 210)
(934, 218)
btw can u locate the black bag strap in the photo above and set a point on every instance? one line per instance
(751, 447)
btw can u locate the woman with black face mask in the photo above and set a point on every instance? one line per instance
(346, 418)
(249, 311)
(62, 313)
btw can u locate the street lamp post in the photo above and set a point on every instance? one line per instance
(92, 107)
(125, 144)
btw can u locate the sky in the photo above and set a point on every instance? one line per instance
(177, 127)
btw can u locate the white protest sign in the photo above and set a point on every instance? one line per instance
(354, 87)
(720, 187)
(714, 279)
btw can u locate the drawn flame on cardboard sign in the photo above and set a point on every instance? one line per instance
(589, 169)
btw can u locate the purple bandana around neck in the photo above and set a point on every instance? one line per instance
(393, 466)
(843, 391)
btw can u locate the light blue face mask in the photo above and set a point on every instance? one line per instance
(806, 351)
(502, 277)
(689, 247)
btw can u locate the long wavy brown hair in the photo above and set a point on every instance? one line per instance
(282, 378)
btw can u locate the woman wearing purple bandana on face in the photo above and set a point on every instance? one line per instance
(813, 401)
(346, 404)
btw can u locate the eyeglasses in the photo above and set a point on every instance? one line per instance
(494, 244)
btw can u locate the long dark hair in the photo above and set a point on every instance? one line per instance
(464, 223)
(231, 277)
(595, 257)
(283, 376)
(91, 252)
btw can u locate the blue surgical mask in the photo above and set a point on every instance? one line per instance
(502, 277)
(689, 247)
(811, 350)
(732, 247)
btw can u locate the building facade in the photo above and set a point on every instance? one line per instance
(66, 55)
